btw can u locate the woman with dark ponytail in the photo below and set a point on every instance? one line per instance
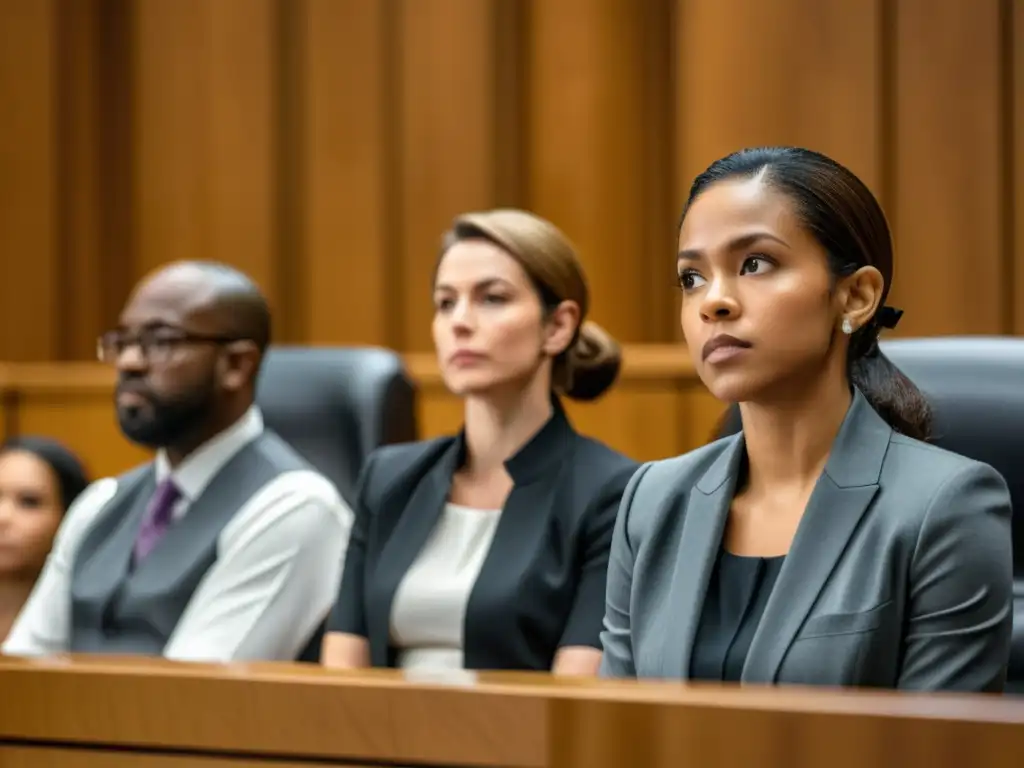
(827, 543)
(39, 480)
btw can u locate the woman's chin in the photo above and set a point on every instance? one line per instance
(730, 386)
(469, 383)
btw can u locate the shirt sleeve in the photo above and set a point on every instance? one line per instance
(43, 626)
(274, 581)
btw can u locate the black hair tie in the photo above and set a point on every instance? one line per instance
(888, 317)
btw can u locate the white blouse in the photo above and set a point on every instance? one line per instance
(429, 609)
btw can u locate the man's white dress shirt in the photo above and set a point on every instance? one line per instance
(278, 568)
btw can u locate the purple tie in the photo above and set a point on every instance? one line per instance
(157, 519)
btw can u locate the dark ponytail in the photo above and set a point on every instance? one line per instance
(845, 218)
(895, 397)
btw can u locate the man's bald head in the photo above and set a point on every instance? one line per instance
(228, 299)
(188, 350)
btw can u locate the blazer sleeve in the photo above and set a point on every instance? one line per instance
(583, 627)
(617, 638)
(960, 606)
(349, 612)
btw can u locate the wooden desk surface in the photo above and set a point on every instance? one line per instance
(299, 714)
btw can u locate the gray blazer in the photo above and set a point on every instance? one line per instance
(899, 576)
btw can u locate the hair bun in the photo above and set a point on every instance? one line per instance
(592, 363)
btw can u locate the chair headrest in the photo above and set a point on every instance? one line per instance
(335, 405)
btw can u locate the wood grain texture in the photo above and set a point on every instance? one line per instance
(324, 145)
(305, 715)
(28, 181)
(658, 408)
(949, 155)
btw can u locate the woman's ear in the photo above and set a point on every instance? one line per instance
(860, 296)
(560, 328)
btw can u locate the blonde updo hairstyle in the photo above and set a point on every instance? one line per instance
(590, 364)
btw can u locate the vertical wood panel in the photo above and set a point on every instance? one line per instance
(801, 72)
(324, 145)
(94, 148)
(117, 145)
(205, 165)
(594, 130)
(1014, 124)
(79, 193)
(241, 126)
(948, 168)
(658, 238)
(447, 146)
(796, 72)
(28, 167)
(349, 221)
(172, 157)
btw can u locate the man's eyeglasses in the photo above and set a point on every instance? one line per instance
(155, 344)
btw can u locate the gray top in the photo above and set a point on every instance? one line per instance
(899, 576)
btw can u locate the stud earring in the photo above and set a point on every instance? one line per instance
(847, 326)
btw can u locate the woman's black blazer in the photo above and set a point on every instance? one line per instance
(542, 584)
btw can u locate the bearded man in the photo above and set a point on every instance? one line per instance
(229, 545)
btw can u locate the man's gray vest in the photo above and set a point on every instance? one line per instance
(117, 608)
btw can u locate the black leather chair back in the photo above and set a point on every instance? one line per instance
(335, 405)
(975, 385)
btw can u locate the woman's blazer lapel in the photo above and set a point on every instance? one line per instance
(417, 519)
(706, 512)
(516, 538)
(840, 499)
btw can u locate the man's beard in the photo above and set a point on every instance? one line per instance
(163, 423)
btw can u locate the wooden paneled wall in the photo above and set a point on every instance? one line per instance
(323, 145)
(658, 408)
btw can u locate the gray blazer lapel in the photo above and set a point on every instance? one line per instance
(707, 510)
(841, 497)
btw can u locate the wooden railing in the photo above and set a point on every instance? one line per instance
(109, 713)
(658, 407)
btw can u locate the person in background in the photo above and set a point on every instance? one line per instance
(827, 543)
(229, 545)
(39, 480)
(489, 549)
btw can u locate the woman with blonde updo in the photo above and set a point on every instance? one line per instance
(489, 549)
